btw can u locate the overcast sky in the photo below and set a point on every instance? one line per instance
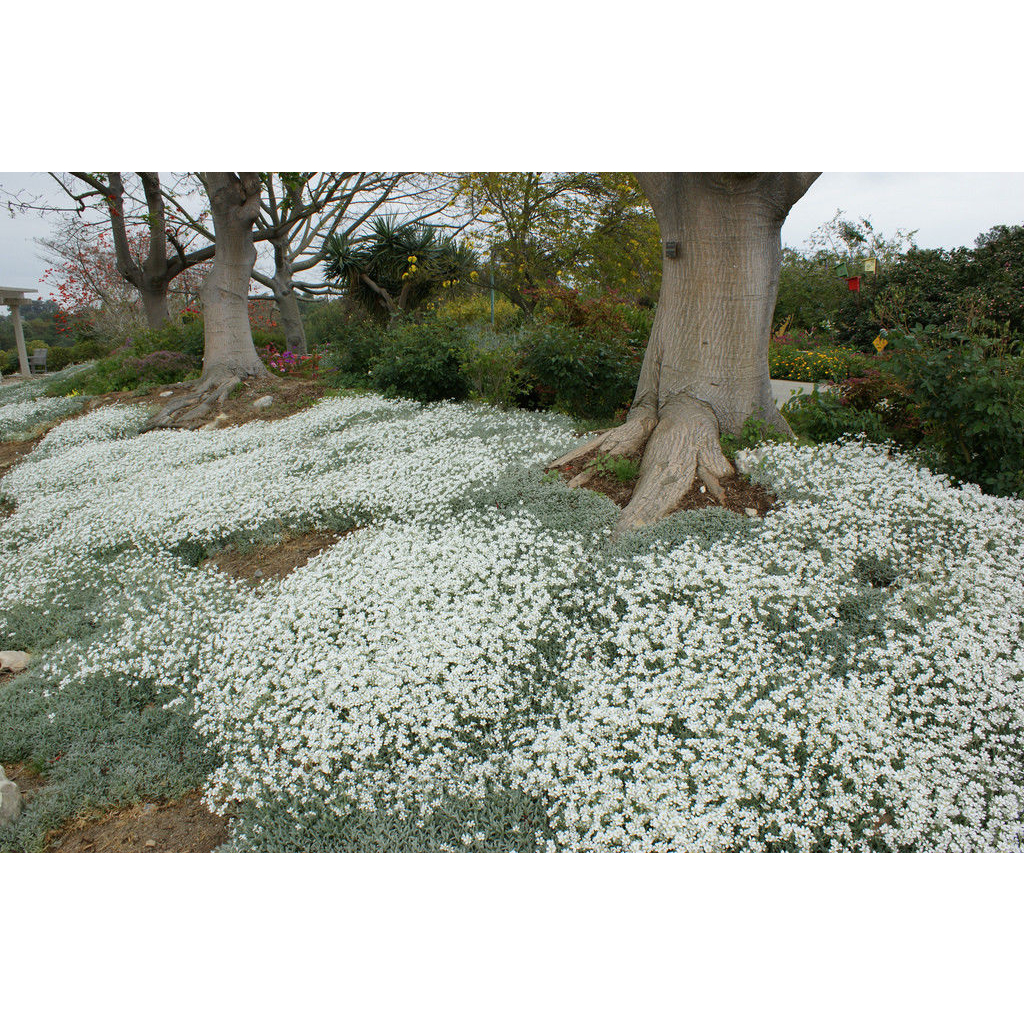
(946, 209)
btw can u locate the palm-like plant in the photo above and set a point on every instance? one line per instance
(395, 266)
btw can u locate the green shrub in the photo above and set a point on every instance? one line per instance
(577, 374)
(475, 310)
(345, 335)
(124, 371)
(422, 361)
(616, 467)
(605, 318)
(185, 337)
(822, 417)
(752, 433)
(60, 357)
(968, 395)
(493, 365)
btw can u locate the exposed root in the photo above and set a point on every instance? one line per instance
(627, 439)
(193, 407)
(683, 446)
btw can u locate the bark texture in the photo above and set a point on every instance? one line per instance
(283, 286)
(229, 356)
(154, 274)
(705, 370)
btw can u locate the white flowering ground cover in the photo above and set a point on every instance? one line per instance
(24, 410)
(477, 665)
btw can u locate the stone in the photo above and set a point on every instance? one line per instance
(166, 394)
(263, 403)
(752, 512)
(151, 842)
(13, 661)
(10, 799)
(220, 420)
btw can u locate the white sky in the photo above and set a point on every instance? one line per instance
(947, 209)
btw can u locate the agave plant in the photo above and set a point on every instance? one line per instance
(396, 266)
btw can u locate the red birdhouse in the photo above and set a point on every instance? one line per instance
(853, 283)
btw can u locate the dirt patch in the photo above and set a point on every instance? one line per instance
(11, 453)
(289, 397)
(169, 826)
(740, 492)
(274, 561)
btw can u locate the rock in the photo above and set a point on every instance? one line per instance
(166, 394)
(151, 842)
(10, 799)
(14, 661)
(752, 512)
(263, 403)
(217, 422)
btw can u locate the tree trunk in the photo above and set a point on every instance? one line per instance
(224, 293)
(154, 302)
(229, 355)
(291, 321)
(705, 371)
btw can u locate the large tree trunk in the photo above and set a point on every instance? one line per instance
(229, 355)
(705, 371)
(282, 285)
(154, 302)
(291, 321)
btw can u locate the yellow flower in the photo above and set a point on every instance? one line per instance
(473, 275)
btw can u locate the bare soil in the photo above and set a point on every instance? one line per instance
(274, 561)
(290, 396)
(183, 825)
(740, 492)
(12, 452)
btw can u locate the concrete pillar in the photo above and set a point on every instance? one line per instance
(19, 337)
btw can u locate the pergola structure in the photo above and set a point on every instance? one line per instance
(13, 298)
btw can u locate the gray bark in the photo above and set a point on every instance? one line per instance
(154, 275)
(229, 356)
(291, 321)
(229, 349)
(154, 302)
(282, 284)
(705, 370)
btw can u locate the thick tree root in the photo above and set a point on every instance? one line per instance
(625, 440)
(683, 447)
(192, 408)
(679, 446)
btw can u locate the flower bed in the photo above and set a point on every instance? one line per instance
(480, 667)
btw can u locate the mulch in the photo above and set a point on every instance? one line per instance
(740, 492)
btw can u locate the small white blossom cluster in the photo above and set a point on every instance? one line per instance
(19, 419)
(846, 674)
(105, 424)
(360, 458)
